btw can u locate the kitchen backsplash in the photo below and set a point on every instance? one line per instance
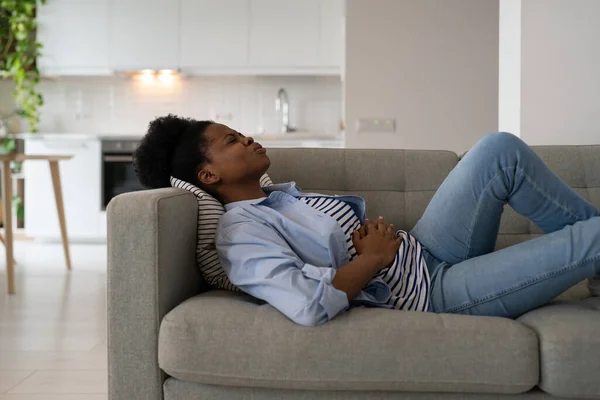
(122, 105)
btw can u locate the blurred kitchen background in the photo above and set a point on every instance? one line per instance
(397, 74)
(268, 68)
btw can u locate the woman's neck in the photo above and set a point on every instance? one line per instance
(242, 191)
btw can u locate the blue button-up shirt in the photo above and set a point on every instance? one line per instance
(283, 251)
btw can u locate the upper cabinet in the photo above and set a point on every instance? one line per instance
(74, 35)
(195, 36)
(332, 28)
(214, 34)
(144, 34)
(284, 33)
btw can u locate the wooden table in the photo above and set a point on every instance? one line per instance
(7, 196)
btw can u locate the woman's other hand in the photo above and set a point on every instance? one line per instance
(378, 239)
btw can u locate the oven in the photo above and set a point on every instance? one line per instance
(118, 175)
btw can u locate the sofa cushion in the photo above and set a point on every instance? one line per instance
(397, 184)
(175, 389)
(569, 334)
(226, 338)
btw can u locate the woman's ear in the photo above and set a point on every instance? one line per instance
(207, 177)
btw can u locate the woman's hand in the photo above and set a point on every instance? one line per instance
(378, 239)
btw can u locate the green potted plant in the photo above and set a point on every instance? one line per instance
(18, 52)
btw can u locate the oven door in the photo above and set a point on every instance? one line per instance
(118, 176)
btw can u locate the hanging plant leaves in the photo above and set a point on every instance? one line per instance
(18, 52)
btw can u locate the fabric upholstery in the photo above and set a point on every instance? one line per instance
(151, 271)
(569, 334)
(222, 338)
(395, 183)
(402, 196)
(176, 390)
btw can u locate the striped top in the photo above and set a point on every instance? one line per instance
(407, 278)
(209, 212)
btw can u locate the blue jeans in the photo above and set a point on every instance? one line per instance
(459, 228)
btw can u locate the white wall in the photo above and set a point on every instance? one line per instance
(560, 72)
(431, 64)
(117, 105)
(509, 92)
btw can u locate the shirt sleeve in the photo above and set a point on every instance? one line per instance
(261, 263)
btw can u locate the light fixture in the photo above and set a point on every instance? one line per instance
(146, 75)
(163, 75)
(166, 76)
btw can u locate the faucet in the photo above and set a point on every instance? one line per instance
(282, 104)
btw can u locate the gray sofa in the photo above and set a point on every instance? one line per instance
(169, 337)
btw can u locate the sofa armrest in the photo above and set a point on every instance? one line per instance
(151, 269)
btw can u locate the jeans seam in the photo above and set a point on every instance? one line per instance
(546, 196)
(522, 285)
(468, 249)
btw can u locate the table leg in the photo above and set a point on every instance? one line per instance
(60, 209)
(4, 243)
(7, 196)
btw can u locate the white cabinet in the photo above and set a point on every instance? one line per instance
(74, 34)
(214, 33)
(284, 33)
(80, 180)
(287, 37)
(144, 34)
(332, 28)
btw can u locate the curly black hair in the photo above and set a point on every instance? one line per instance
(173, 146)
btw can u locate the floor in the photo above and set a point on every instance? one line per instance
(53, 331)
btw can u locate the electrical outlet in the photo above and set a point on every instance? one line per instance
(376, 125)
(221, 115)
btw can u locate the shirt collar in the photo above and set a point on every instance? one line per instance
(287, 187)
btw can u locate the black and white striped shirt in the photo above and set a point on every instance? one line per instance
(407, 278)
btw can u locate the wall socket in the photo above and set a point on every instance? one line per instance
(376, 125)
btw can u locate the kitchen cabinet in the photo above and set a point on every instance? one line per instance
(284, 33)
(262, 36)
(227, 37)
(332, 28)
(80, 180)
(144, 34)
(74, 34)
(214, 33)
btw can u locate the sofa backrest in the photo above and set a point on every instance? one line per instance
(399, 184)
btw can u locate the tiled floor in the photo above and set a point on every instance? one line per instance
(53, 331)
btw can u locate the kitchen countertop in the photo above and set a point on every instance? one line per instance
(294, 139)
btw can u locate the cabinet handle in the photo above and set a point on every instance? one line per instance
(118, 158)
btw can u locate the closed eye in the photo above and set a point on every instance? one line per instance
(231, 137)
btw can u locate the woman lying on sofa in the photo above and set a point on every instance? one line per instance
(313, 256)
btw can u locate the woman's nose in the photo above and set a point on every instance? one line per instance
(249, 140)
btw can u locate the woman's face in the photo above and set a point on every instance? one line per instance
(234, 158)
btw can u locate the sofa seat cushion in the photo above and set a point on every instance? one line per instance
(226, 338)
(569, 334)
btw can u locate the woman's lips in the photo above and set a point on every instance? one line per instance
(259, 149)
